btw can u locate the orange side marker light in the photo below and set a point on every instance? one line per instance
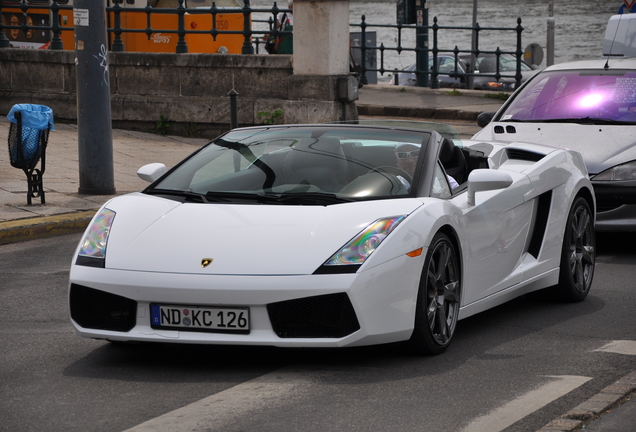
(415, 253)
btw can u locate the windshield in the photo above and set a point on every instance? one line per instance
(487, 63)
(300, 165)
(564, 95)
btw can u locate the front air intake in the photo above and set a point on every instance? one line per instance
(325, 316)
(95, 309)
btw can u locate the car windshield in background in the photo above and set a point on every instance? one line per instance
(576, 96)
(487, 63)
(296, 165)
(445, 130)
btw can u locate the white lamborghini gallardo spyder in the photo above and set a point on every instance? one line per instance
(331, 236)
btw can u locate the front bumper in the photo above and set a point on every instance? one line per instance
(369, 307)
(615, 206)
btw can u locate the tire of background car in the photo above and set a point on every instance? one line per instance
(578, 253)
(437, 307)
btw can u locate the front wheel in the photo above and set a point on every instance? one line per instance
(438, 298)
(578, 254)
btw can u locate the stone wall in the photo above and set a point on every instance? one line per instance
(189, 90)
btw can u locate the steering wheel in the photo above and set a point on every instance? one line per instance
(394, 172)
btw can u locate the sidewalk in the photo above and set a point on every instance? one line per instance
(67, 211)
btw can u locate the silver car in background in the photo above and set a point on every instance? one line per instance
(452, 72)
(588, 106)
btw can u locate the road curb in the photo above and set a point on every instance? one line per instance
(44, 226)
(609, 398)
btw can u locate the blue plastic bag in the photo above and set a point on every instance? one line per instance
(36, 121)
(38, 117)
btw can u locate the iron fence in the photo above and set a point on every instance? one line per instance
(254, 35)
(421, 46)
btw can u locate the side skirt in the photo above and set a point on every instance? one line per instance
(541, 281)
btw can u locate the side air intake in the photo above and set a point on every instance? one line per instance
(524, 155)
(540, 223)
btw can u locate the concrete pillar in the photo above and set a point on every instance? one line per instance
(321, 37)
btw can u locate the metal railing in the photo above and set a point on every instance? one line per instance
(251, 43)
(54, 28)
(435, 51)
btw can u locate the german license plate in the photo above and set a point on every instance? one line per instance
(194, 318)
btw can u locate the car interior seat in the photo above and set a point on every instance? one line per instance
(316, 161)
(453, 161)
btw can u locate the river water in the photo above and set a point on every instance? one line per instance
(579, 26)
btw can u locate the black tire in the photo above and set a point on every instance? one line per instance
(438, 298)
(578, 254)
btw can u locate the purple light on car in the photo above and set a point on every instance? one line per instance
(591, 100)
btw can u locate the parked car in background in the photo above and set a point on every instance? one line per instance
(589, 106)
(452, 73)
(333, 236)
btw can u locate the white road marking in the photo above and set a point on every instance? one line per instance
(627, 347)
(217, 412)
(510, 413)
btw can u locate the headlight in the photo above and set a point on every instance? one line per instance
(357, 250)
(93, 250)
(620, 172)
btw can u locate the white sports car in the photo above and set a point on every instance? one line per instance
(319, 236)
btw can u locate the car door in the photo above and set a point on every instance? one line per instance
(495, 232)
(449, 75)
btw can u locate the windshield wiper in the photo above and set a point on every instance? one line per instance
(580, 120)
(189, 196)
(219, 196)
(312, 198)
(304, 198)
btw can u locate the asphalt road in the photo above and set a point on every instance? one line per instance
(514, 368)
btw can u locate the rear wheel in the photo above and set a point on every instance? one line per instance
(438, 298)
(578, 255)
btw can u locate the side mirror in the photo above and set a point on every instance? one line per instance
(151, 172)
(484, 118)
(481, 180)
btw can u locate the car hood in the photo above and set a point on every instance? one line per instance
(602, 146)
(155, 234)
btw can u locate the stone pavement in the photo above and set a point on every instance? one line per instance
(67, 211)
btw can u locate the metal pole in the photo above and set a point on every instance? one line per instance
(4, 40)
(94, 128)
(233, 94)
(470, 80)
(550, 38)
(421, 34)
(247, 47)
